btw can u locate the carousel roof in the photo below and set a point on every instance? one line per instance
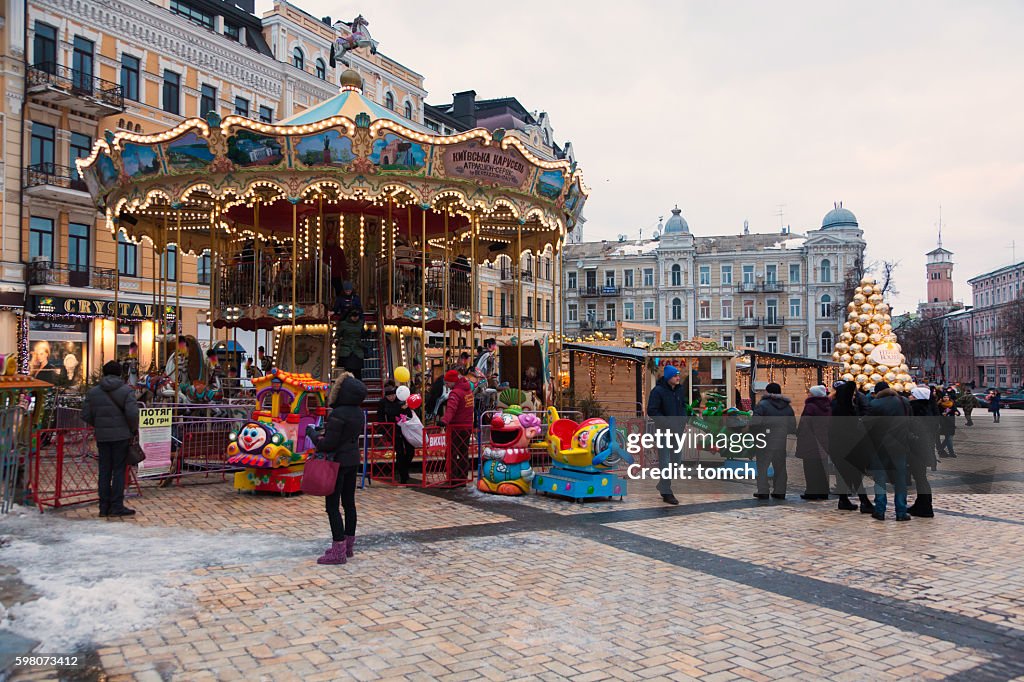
(349, 103)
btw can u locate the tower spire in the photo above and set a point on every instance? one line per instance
(940, 226)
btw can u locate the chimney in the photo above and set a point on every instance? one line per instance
(326, 20)
(464, 108)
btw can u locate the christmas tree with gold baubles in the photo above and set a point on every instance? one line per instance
(867, 347)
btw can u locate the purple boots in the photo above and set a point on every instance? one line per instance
(338, 551)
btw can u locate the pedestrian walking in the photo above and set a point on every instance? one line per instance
(667, 406)
(849, 447)
(350, 342)
(923, 424)
(967, 402)
(889, 430)
(812, 443)
(995, 402)
(111, 409)
(340, 443)
(774, 416)
(947, 427)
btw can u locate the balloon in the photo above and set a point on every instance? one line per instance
(401, 374)
(402, 393)
(414, 401)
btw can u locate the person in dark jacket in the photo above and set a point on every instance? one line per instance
(812, 442)
(774, 416)
(347, 300)
(458, 423)
(923, 425)
(350, 342)
(947, 426)
(667, 406)
(340, 443)
(389, 410)
(848, 447)
(889, 429)
(995, 403)
(111, 409)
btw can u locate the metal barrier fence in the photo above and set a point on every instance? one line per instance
(199, 441)
(436, 463)
(64, 468)
(14, 438)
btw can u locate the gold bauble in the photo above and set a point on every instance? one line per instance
(860, 337)
(842, 347)
(856, 327)
(846, 336)
(855, 348)
(882, 369)
(851, 306)
(878, 319)
(859, 358)
(845, 358)
(887, 319)
(904, 368)
(898, 387)
(867, 368)
(836, 355)
(874, 328)
(875, 338)
(855, 368)
(867, 290)
(867, 308)
(867, 348)
(903, 377)
(858, 290)
(890, 377)
(859, 299)
(888, 338)
(847, 377)
(886, 328)
(882, 308)
(867, 282)
(876, 377)
(864, 319)
(875, 298)
(860, 379)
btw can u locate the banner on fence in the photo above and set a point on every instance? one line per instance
(155, 438)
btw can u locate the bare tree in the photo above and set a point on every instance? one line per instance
(884, 269)
(1010, 333)
(930, 340)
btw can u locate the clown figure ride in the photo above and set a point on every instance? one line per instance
(506, 461)
(273, 446)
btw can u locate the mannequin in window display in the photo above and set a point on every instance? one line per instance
(130, 365)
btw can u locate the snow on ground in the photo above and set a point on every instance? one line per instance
(99, 580)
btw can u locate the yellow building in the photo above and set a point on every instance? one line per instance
(73, 70)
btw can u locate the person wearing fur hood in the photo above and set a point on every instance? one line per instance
(812, 442)
(774, 417)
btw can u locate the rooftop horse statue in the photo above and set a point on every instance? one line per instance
(359, 37)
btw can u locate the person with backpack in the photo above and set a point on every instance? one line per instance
(111, 409)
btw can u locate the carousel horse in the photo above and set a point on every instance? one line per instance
(359, 37)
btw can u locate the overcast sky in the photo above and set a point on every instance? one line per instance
(734, 108)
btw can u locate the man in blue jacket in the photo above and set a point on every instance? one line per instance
(667, 400)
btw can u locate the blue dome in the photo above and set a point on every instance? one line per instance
(839, 217)
(676, 224)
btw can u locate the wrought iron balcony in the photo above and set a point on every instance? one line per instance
(50, 181)
(748, 287)
(772, 286)
(79, 276)
(59, 85)
(749, 322)
(774, 321)
(596, 325)
(508, 275)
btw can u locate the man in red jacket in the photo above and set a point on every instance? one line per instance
(458, 423)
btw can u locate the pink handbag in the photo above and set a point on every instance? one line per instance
(319, 477)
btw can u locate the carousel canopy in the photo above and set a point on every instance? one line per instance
(343, 157)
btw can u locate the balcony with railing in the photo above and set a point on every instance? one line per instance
(61, 86)
(258, 287)
(596, 325)
(42, 273)
(59, 183)
(748, 287)
(749, 322)
(508, 275)
(774, 321)
(772, 286)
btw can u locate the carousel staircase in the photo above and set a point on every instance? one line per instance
(375, 361)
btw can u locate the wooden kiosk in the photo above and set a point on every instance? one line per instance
(704, 365)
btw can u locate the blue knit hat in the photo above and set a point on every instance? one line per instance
(670, 371)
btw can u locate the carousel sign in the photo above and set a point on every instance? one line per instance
(489, 164)
(57, 306)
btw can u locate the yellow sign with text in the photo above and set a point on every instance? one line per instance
(154, 417)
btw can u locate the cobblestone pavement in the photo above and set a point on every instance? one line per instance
(458, 585)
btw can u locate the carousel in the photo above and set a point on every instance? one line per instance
(344, 192)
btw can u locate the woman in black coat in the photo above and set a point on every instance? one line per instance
(812, 442)
(340, 443)
(848, 447)
(389, 410)
(924, 424)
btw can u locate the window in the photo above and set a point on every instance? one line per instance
(648, 310)
(172, 92)
(749, 341)
(266, 114)
(771, 309)
(677, 275)
(795, 345)
(169, 263)
(591, 312)
(503, 304)
(609, 312)
(433, 125)
(705, 275)
(826, 306)
(79, 148)
(773, 344)
(490, 303)
(591, 279)
(572, 313)
(676, 337)
(771, 273)
(794, 307)
(203, 268)
(321, 69)
(42, 145)
(826, 271)
(627, 278)
(193, 14)
(748, 309)
(547, 310)
(609, 278)
(389, 101)
(207, 100)
(570, 280)
(130, 77)
(298, 59)
(826, 343)
(82, 63)
(529, 307)
(44, 48)
(627, 310)
(748, 274)
(726, 274)
(241, 107)
(677, 309)
(127, 256)
(794, 273)
(726, 308)
(727, 341)
(407, 110)
(705, 310)
(78, 246)
(232, 32)
(648, 277)
(40, 241)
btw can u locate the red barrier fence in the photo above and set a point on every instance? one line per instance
(64, 468)
(434, 465)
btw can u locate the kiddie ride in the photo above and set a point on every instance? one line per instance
(718, 420)
(273, 446)
(583, 457)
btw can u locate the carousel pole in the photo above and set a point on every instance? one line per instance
(474, 226)
(390, 246)
(177, 294)
(445, 298)
(215, 275)
(423, 297)
(320, 248)
(154, 361)
(557, 328)
(295, 271)
(117, 290)
(257, 249)
(519, 303)
(163, 292)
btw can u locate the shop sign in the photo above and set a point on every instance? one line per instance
(89, 307)
(155, 438)
(489, 164)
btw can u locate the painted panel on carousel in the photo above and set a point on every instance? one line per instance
(249, 149)
(140, 160)
(188, 154)
(506, 466)
(261, 446)
(101, 176)
(550, 184)
(329, 148)
(394, 153)
(486, 164)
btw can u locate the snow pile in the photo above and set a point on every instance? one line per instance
(100, 580)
